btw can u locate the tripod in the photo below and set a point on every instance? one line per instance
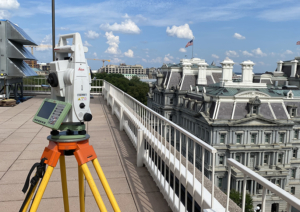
(56, 150)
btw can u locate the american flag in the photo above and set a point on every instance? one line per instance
(190, 43)
(298, 43)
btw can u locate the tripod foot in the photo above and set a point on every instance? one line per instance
(93, 187)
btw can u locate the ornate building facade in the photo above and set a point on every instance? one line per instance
(254, 120)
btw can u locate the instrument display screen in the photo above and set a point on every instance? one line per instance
(46, 110)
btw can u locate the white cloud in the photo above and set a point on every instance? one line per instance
(147, 56)
(168, 58)
(113, 42)
(63, 28)
(128, 26)
(95, 54)
(231, 53)
(125, 16)
(215, 56)
(182, 50)
(9, 4)
(45, 44)
(261, 63)
(246, 53)
(288, 52)
(238, 36)
(116, 60)
(91, 34)
(4, 14)
(144, 60)
(86, 43)
(259, 52)
(129, 53)
(182, 31)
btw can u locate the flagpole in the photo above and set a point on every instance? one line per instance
(193, 48)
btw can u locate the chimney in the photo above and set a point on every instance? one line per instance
(279, 66)
(159, 78)
(294, 68)
(247, 73)
(227, 66)
(186, 65)
(202, 73)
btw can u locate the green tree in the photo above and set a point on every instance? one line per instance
(133, 87)
(237, 198)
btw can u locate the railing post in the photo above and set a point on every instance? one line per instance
(244, 192)
(228, 187)
(112, 106)
(140, 148)
(289, 207)
(213, 180)
(121, 119)
(263, 204)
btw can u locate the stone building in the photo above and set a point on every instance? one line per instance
(123, 69)
(254, 120)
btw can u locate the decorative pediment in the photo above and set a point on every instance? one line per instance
(256, 120)
(251, 94)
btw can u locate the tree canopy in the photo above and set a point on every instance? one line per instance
(133, 87)
(237, 198)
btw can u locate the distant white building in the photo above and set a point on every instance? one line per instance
(141, 76)
(123, 69)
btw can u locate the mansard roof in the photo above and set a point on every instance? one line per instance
(216, 90)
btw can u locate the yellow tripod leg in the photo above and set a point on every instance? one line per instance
(81, 189)
(63, 175)
(93, 187)
(30, 197)
(105, 185)
(41, 189)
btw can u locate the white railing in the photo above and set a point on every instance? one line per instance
(266, 184)
(40, 85)
(163, 147)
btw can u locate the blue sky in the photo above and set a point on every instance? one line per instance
(155, 32)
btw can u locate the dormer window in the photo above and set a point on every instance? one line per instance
(292, 109)
(254, 109)
(254, 105)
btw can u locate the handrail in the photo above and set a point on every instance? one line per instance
(202, 143)
(290, 199)
(160, 132)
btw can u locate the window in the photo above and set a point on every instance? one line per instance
(170, 117)
(295, 134)
(238, 158)
(171, 101)
(294, 153)
(254, 109)
(267, 138)
(220, 182)
(281, 137)
(238, 138)
(278, 182)
(253, 138)
(279, 158)
(222, 139)
(266, 157)
(293, 112)
(221, 160)
(293, 190)
(293, 175)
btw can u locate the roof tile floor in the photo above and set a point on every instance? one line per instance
(22, 143)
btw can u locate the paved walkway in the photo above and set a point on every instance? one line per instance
(22, 142)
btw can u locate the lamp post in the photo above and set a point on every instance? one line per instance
(53, 29)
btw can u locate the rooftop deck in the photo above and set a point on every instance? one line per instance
(22, 143)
